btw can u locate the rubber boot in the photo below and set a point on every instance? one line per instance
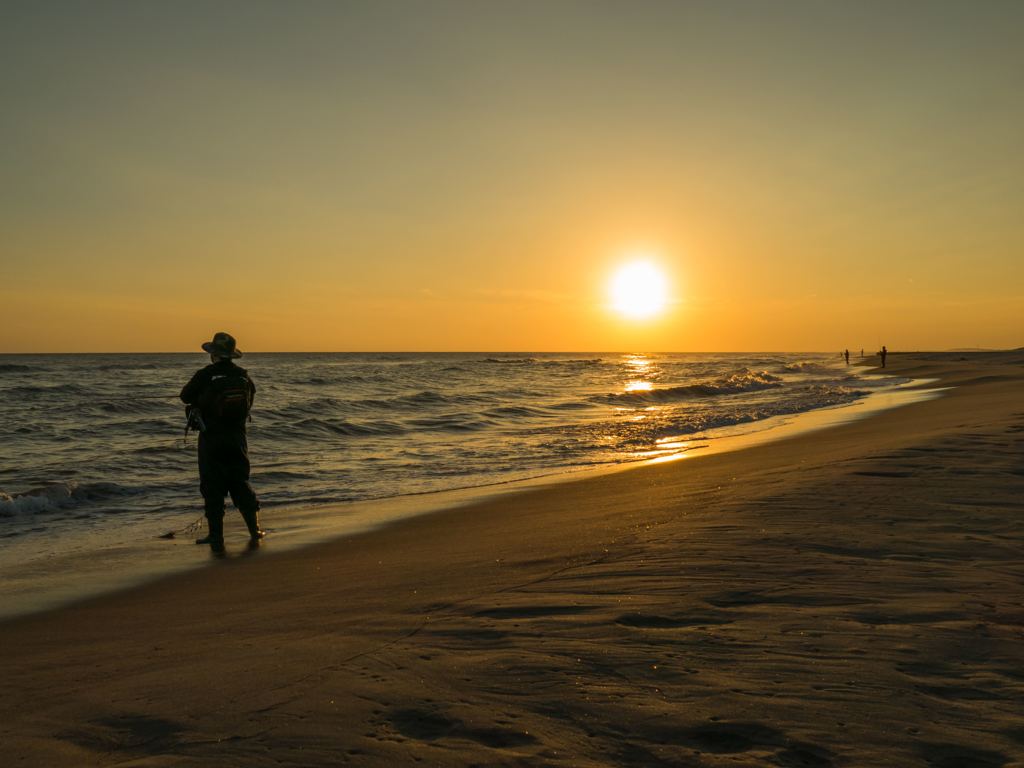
(215, 538)
(252, 522)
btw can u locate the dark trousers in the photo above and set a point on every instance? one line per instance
(223, 470)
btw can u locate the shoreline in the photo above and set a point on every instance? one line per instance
(850, 596)
(147, 561)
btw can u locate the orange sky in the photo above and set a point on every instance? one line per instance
(466, 176)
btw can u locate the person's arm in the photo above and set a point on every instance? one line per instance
(191, 391)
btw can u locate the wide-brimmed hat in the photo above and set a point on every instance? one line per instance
(223, 345)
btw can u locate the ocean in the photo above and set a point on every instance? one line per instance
(94, 460)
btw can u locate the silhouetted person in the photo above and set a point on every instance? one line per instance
(222, 394)
(862, 351)
(846, 354)
(883, 353)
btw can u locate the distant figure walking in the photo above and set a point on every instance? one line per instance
(862, 351)
(218, 399)
(846, 354)
(883, 353)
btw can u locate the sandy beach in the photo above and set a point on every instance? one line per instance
(847, 597)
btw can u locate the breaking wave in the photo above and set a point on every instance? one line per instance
(58, 496)
(742, 381)
(807, 366)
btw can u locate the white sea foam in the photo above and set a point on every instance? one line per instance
(58, 496)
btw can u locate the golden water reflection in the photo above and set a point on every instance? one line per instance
(639, 363)
(668, 449)
(670, 443)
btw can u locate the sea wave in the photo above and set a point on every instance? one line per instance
(419, 401)
(333, 381)
(343, 427)
(516, 411)
(807, 366)
(425, 397)
(455, 422)
(133, 405)
(572, 405)
(15, 368)
(127, 367)
(697, 422)
(315, 407)
(736, 383)
(43, 389)
(57, 496)
(284, 475)
(161, 449)
(581, 361)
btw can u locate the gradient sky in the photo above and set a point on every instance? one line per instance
(466, 175)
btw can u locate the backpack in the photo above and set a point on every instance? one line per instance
(227, 398)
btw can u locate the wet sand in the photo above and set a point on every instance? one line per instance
(853, 596)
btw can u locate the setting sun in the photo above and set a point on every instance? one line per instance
(638, 290)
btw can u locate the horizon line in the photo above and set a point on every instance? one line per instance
(509, 352)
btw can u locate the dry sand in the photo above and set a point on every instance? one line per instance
(850, 597)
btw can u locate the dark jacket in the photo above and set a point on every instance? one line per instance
(192, 393)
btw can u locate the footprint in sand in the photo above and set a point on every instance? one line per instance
(426, 725)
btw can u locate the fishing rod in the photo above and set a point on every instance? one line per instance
(193, 423)
(192, 527)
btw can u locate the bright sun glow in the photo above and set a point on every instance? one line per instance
(639, 290)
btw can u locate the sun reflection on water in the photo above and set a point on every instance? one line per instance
(640, 373)
(639, 363)
(670, 443)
